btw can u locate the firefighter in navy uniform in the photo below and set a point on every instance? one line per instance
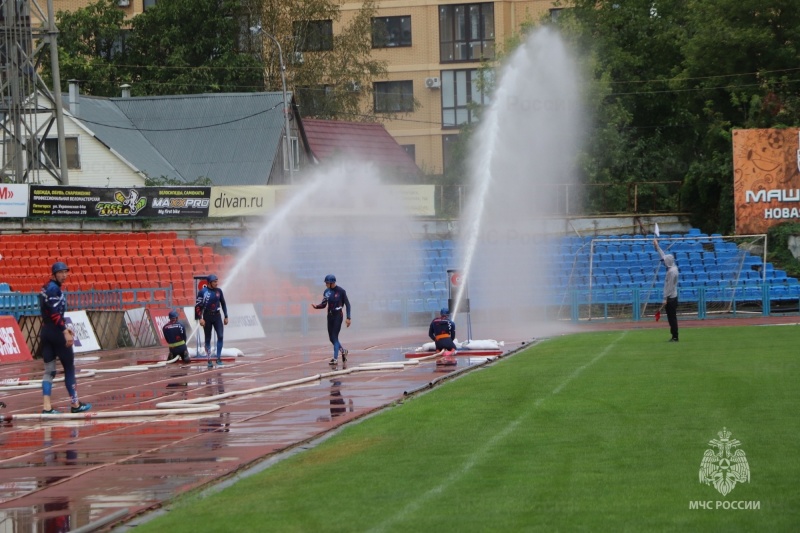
(442, 331)
(57, 341)
(210, 301)
(175, 335)
(335, 298)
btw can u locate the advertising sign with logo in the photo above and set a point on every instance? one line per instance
(766, 178)
(242, 201)
(13, 348)
(13, 201)
(457, 286)
(85, 338)
(724, 464)
(119, 203)
(200, 283)
(243, 323)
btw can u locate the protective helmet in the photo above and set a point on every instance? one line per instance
(330, 278)
(173, 315)
(212, 277)
(445, 311)
(59, 266)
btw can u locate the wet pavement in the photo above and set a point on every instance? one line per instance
(61, 474)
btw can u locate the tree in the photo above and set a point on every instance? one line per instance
(669, 81)
(89, 48)
(191, 46)
(175, 47)
(331, 75)
(195, 46)
(741, 59)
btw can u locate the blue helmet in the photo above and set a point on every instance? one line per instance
(445, 311)
(173, 315)
(59, 266)
(330, 278)
(212, 277)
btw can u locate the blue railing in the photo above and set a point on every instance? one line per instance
(18, 304)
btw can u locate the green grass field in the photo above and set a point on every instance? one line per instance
(588, 432)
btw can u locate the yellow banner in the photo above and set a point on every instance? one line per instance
(241, 201)
(260, 200)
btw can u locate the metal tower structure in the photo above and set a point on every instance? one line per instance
(29, 110)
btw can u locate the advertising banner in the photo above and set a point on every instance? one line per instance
(119, 203)
(13, 348)
(242, 201)
(766, 178)
(13, 201)
(243, 323)
(85, 338)
(418, 199)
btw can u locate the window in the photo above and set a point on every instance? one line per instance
(411, 150)
(119, 47)
(466, 32)
(391, 31)
(313, 35)
(555, 12)
(50, 147)
(317, 101)
(394, 96)
(148, 3)
(449, 143)
(295, 147)
(460, 95)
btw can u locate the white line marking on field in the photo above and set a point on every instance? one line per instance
(482, 452)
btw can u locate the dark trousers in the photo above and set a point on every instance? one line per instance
(54, 345)
(445, 344)
(672, 316)
(181, 350)
(334, 327)
(213, 321)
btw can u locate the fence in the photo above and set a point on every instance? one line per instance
(565, 199)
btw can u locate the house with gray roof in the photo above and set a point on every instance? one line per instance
(229, 138)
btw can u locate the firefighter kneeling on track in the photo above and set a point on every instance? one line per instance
(443, 332)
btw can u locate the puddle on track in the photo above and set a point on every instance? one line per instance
(61, 475)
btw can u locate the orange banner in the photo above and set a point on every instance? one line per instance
(766, 178)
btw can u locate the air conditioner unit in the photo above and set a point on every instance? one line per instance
(433, 83)
(123, 3)
(298, 58)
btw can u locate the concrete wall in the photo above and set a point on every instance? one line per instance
(208, 232)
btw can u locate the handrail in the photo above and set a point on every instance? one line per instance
(27, 303)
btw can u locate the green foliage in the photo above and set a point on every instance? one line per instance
(328, 83)
(175, 47)
(779, 253)
(191, 46)
(89, 48)
(206, 46)
(669, 80)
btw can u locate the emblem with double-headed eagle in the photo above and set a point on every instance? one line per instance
(725, 467)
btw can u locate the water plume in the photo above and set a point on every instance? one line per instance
(341, 219)
(521, 171)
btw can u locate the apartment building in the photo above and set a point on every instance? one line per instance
(434, 50)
